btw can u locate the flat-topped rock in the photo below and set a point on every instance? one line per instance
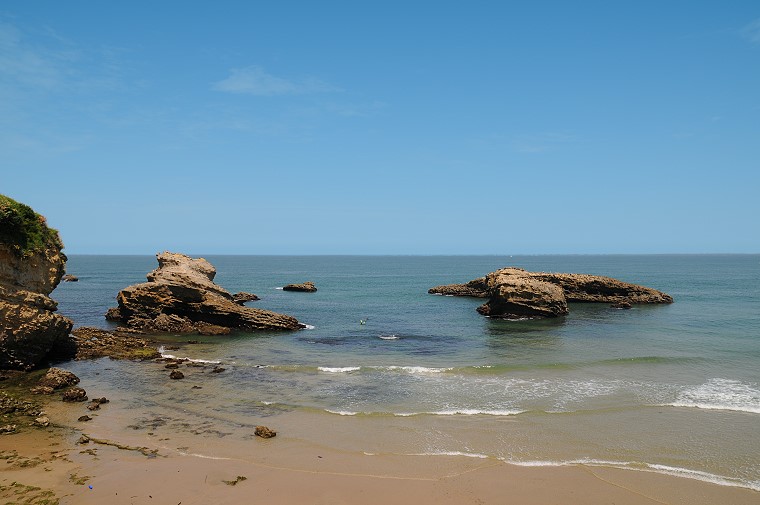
(517, 293)
(475, 288)
(242, 297)
(181, 297)
(306, 287)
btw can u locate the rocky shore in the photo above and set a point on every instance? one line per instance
(515, 293)
(31, 266)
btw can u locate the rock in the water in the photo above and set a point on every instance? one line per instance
(84, 439)
(113, 314)
(31, 266)
(520, 297)
(176, 374)
(56, 378)
(476, 288)
(75, 394)
(70, 278)
(180, 296)
(94, 405)
(516, 293)
(242, 297)
(264, 432)
(306, 287)
(84, 419)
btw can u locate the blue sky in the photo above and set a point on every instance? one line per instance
(390, 128)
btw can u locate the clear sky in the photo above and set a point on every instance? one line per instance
(437, 127)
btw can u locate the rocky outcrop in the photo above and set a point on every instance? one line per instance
(517, 293)
(520, 297)
(242, 297)
(476, 288)
(306, 287)
(181, 296)
(70, 278)
(89, 343)
(31, 266)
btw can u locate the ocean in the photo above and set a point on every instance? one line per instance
(667, 388)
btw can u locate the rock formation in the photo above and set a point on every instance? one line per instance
(31, 266)
(475, 288)
(516, 293)
(180, 296)
(242, 297)
(306, 287)
(89, 343)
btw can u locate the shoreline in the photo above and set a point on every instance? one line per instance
(292, 471)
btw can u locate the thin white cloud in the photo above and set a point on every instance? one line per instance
(255, 81)
(751, 32)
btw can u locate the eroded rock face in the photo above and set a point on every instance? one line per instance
(89, 343)
(517, 293)
(29, 324)
(181, 296)
(519, 297)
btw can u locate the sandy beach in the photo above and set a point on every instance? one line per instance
(42, 465)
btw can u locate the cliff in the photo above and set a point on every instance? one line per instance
(31, 266)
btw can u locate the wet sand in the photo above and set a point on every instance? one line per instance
(286, 471)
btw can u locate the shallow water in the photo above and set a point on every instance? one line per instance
(670, 388)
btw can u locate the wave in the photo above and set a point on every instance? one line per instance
(720, 394)
(342, 369)
(646, 467)
(451, 412)
(162, 352)
(309, 327)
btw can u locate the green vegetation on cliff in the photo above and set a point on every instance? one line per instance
(24, 230)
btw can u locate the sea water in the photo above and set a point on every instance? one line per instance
(664, 388)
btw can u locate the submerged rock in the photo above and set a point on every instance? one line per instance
(517, 293)
(75, 394)
(70, 278)
(181, 297)
(306, 287)
(88, 343)
(31, 266)
(176, 374)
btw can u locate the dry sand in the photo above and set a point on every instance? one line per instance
(283, 471)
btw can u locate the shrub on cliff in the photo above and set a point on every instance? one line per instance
(24, 230)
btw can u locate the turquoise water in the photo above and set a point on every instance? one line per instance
(672, 388)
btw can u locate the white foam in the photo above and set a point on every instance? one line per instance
(452, 453)
(720, 394)
(162, 352)
(389, 337)
(309, 327)
(342, 412)
(646, 467)
(477, 412)
(280, 288)
(415, 369)
(342, 369)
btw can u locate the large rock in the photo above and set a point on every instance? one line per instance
(519, 297)
(31, 266)
(517, 293)
(306, 287)
(181, 296)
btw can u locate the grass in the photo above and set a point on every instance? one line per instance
(25, 231)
